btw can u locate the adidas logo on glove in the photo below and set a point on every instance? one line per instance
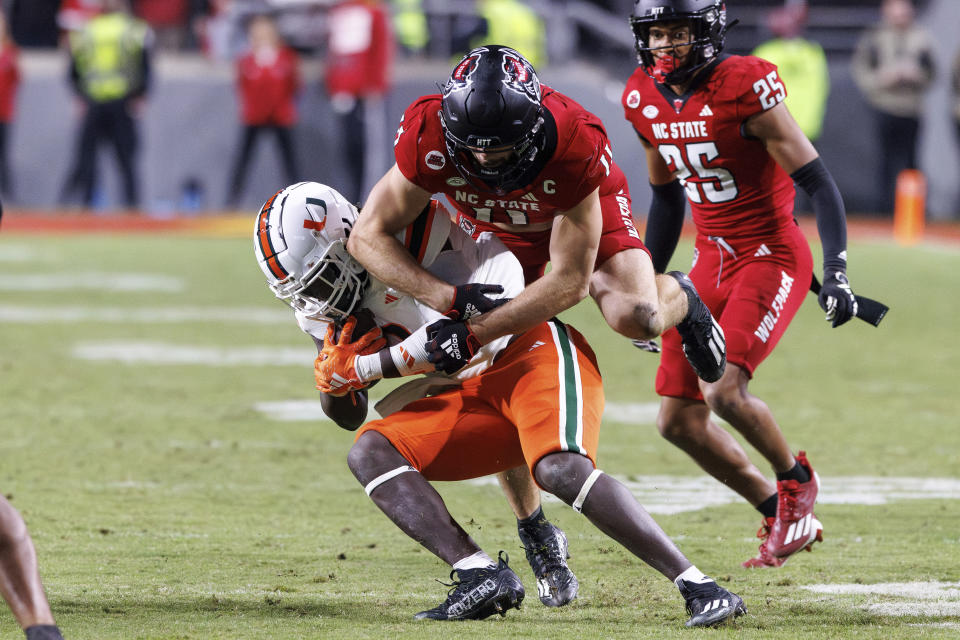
(470, 311)
(452, 347)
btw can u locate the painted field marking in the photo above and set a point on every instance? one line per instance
(920, 599)
(166, 315)
(91, 280)
(160, 353)
(18, 253)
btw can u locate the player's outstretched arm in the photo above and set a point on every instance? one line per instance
(393, 204)
(791, 149)
(573, 251)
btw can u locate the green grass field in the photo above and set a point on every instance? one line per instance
(164, 504)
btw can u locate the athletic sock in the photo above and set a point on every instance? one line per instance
(768, 508)
(479, 560)
(797, 473)
(532, 521)
(692, 574)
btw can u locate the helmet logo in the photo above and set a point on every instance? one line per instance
(435, 160)
(633, 99)
(461, 74)
(313, 224)
(519, 76)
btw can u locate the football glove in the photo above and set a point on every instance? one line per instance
(450, 345)
(471, 300)
(334, 369)
(836, 298)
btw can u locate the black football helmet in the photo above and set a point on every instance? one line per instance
(708, 26)
(493, 101)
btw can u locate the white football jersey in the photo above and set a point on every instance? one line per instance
(450, 254)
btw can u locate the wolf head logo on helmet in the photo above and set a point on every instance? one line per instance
(518, 73)
(300, 243)
(708, 27)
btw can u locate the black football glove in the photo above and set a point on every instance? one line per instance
(836, 298)
(471, 300)
(450, 345)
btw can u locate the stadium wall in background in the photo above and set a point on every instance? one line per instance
(190, 131)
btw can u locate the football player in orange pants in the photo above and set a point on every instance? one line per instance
(533, 399)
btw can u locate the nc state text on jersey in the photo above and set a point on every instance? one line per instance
(675, 130)
(517, 205)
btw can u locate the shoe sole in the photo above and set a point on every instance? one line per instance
(739, 610)
(503, 603)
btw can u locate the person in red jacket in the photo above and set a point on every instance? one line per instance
(360, 49)
(9, 80)
(268, 80)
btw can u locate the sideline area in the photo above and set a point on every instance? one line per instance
(238, 224)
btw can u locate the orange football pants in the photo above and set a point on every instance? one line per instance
(544, 394)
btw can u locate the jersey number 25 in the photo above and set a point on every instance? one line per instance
(714, 183)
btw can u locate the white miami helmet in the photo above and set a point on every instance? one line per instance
(300, 242)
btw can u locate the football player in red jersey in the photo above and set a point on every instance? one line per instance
(717, 134)
(535, 168)
(532, 166)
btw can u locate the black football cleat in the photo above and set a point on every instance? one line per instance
(709, 604)
(546, 548)
(703, 341)
(479, 593)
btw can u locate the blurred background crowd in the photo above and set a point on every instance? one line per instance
(182, 106)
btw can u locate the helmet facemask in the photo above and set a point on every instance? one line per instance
(505, 176)
(330, 287)
(707, 28)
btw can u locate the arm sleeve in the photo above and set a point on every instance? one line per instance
(664, 223)
(817, 183)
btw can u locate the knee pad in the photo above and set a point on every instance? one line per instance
(585, 489)
(383, 477)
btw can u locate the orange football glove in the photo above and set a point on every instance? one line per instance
(334, 369)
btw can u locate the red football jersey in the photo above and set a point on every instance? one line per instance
(9, 80)
(581, 162)
(734, 186)
(268, 88)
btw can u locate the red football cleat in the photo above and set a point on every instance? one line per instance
(795, 526)
(764, 558)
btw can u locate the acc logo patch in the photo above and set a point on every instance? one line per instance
(456, 181)
(633, 99)
(435, 160)
(466, 225)
(650, 111)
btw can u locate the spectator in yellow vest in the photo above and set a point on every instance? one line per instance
(514, 24)
(802, 66)
(110, 73)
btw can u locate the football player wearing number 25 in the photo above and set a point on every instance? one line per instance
(717, 134)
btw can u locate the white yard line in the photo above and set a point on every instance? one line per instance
(160, 353)
(914, 599)
(158, 315)
(91, 280)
